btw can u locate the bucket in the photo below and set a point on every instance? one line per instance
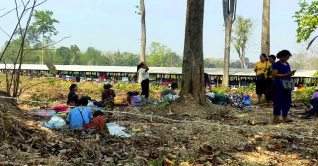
(247, 100)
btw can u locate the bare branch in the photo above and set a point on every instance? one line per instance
(225, 9)
(36, 5)
(34, 85)
(310, 43)
(23, 3)
(234, 11)
(9, 12)
(48, 45)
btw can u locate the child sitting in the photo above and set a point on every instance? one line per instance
(98, 121)
(79, 117)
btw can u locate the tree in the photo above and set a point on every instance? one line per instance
(241, 34)
(229, 13)
(65, 55)
(142, 13)
(162, 56)
(143, 31)
(266, 28)
(193, 64)
(307, 21)
(74, 50)
(44, 25)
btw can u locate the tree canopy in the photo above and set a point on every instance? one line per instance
(307, 20)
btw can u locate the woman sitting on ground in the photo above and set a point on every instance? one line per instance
(72, 94)
(313, 106)
(171, 91)
(108, 96)
(108, 93)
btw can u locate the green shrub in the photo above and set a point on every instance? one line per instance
(304, 95)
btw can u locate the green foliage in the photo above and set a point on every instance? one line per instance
(64, 54)
(156, 162)
(221, 90)
(241, 34)
(247, 90)
(162, 56)
(44, 24)
(307, 20)
(304, 95)
(242, 90)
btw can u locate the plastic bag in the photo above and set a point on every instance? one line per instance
(57, 122)
(169, 97)
(115, 129)
(90, 104)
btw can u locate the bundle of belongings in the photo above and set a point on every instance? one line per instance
(168, 95)
(235, 100)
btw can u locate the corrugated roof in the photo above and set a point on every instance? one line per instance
(153, 70)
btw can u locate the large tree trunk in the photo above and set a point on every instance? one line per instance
(142, 57)
(229, 11)
(227, 50)
(266, 28)
(193, 64)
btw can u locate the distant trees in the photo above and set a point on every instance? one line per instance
(162, 56)
(43, 26)
(241, 34)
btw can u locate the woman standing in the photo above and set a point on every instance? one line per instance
(145, 79)
(281, 71)
(260, 68)
(270, 92)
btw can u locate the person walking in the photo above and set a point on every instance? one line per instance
(281, 72)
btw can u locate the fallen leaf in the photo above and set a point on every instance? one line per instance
(127, 141)
(258, 148)
(168, 162)
(278, 145)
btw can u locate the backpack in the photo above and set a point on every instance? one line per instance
(137, 101)
(236, 100)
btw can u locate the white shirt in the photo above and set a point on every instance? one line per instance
(144, 74)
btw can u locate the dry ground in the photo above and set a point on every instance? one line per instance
(187, 134)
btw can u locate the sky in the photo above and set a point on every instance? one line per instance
(111, 25)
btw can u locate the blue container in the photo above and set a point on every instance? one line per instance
(247, 100)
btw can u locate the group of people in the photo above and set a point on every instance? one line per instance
(81, 116)
(272, 80)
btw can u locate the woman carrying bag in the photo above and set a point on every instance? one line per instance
(260, 69)
(283, 86)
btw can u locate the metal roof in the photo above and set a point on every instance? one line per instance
(153, 70)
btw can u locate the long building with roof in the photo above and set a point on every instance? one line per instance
(241, 76)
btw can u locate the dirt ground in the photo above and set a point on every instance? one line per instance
(177, 133)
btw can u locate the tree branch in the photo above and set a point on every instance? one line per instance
(34, 86)
(48, 45)
(8, 12)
